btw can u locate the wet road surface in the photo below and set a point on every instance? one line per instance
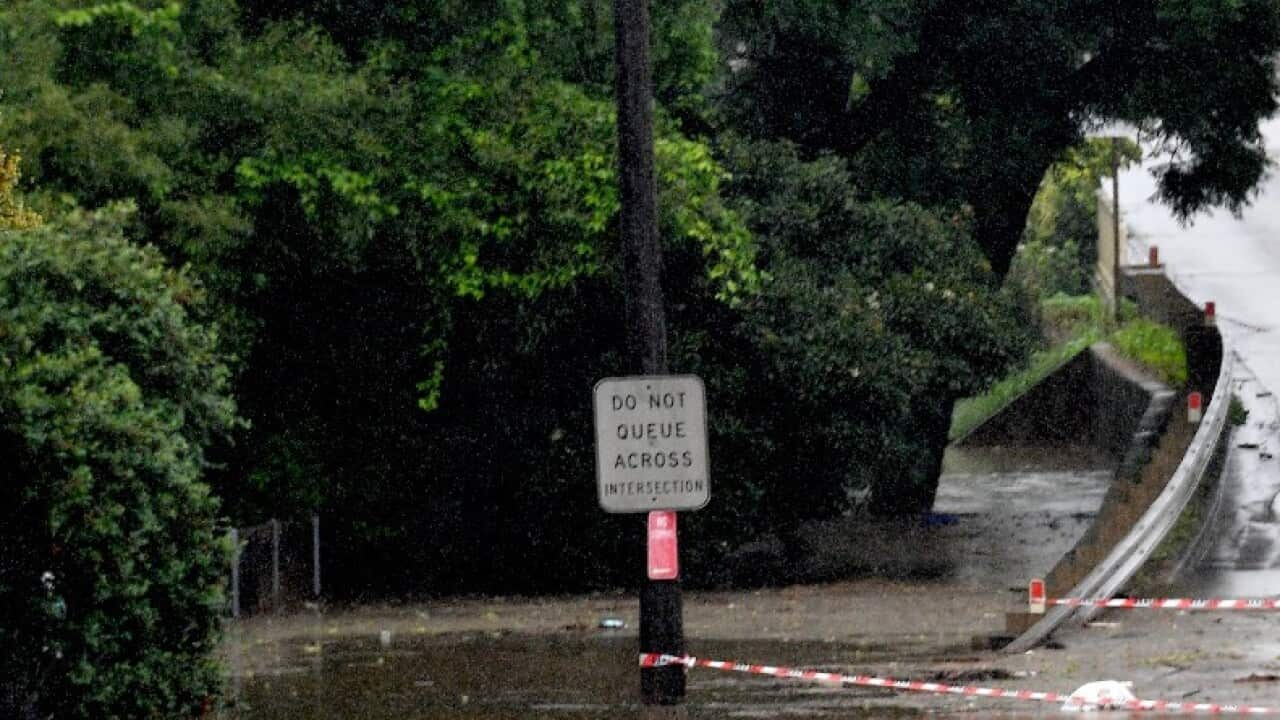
(1234, 262)
(1243, 557)
(547, 658)
(1231, 657)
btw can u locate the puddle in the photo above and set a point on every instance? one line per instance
(1003, 460)
(478, 676)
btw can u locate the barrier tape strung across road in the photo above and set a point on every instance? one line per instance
(1038, 602)
(649, 660)
(1168, 603)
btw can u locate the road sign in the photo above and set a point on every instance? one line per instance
(664, 554)
(651, 443)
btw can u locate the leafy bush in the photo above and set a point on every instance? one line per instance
(880, 314)
(1064, 316)
(13, 216)
(1059, 244)
(1156, 346)
(109, 392)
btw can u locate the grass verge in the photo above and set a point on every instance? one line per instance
(1078, 322)
(971, 412)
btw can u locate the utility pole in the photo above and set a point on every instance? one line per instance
(1115, 230)
(661, 621)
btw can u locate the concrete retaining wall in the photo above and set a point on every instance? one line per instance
(1096, 398)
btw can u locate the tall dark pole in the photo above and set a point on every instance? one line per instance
(661, 622)
(1115, 229)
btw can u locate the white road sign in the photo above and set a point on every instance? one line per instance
(651, 443)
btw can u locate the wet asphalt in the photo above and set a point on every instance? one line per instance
(1235, 263)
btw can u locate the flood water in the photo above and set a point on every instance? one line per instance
(512, 676)
(1001, 517)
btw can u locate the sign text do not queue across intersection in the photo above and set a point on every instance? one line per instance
(651, 443)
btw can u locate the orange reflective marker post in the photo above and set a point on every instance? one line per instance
(1037, 597)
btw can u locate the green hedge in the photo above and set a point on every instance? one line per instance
(110, 584)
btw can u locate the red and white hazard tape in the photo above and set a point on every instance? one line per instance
(1038, 602)
(649, 660)
(1168, 603)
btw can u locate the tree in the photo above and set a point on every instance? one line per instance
(878, 311)
(110, 389)
(1059, 248)
(372, 218)
(944, 100)
(408, 241)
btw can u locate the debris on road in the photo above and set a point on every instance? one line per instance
(972, 675)
(1100, 695)
(1258, 677)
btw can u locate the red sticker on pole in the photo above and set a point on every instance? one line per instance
(1153, 256)
(1037, 597)
(1210, 313)
(664, 553)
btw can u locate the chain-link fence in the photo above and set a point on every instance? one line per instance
(276, 566)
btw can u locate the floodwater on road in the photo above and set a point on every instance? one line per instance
(1017, 510)
(514, 676)
(1000, 518)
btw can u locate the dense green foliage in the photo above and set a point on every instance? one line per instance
(13, 214)
(972, 102)
(111, 579)
(406, 217)
(1156, 346)
(879, 314)
(1058, 253)
(409, 238)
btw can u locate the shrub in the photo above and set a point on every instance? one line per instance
(1059, 243)
(1237, 413)
(109, 392)
(1156, 346)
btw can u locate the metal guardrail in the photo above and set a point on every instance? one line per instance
(1136, 547)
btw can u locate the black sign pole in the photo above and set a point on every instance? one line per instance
(661, 622)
